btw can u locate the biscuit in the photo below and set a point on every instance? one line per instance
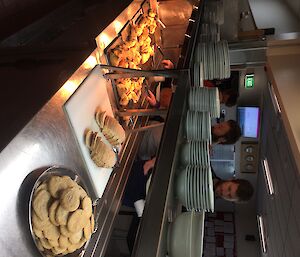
(70, 199)
(38, 233)
(39, 245)
(64, 231)
(45, 243)
(76, 221)
(52, 212)
(87, 231)
(38, 223)
(40, 204)
(56, 184)
(51, 232)
(63, 241)
(58, 250)
(92, 223)
(54, 243)
(82, 192)
(87, 206)
(61, 215)
(75, 238)
(41, 187)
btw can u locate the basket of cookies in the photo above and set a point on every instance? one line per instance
(61, 213)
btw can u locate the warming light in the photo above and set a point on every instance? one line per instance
(117, 26)
(69, 87)
(104, 40)
(90, 62)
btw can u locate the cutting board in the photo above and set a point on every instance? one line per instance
(80, 110)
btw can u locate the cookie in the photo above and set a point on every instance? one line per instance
(61, 215)
(76, 221)
(51, 232)
(52, 212)
(87, 206)
(40, 204)
(53, 243)
(57, 184)
(87, 231)
(41, 187)
(65, 232)
(40, 246)
(92, 223)
(58, 250)
(70, 199)
(63, 241)
(38, 223)
(45, 243)
(38, 233)
(75, 238)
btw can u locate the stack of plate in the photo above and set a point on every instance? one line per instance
(213, 12)
(198, 74)
(185, 235)
(215, 59)
(194, 188)
(205, 99)
(210, 32)
(198, 126)
(195, 153)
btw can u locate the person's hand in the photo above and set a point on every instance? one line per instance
(151, 98)
(149, 165)
(167, 64)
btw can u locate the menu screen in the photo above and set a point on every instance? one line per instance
(248, 118)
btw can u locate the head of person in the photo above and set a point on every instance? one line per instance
(226, 133)
(236, 190)
(165, 97)
(228, 96)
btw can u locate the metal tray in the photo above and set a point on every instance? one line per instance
(152, 63)
(59, 171)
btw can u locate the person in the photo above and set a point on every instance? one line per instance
(226, 133)
(135, 189)
(234, 190)
(228, 96)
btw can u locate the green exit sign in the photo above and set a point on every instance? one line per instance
(249, 81)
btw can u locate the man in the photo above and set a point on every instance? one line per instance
(226, 133)
(235, 190)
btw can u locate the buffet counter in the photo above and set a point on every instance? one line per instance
(48, 140)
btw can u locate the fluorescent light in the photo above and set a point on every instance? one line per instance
(262, 234)
(268, 176)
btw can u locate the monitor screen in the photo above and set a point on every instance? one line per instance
(248, 119)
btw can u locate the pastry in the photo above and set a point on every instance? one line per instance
(51, 232)
(61, 215)
(76, 221)
(87, 231)
(40, 204)
(63, 241)
(52, 212)
(57, 184)
(70, 199)
(38, 223)
(87, 206)
(64, 231)
(75, 238)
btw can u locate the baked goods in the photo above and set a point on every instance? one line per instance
(61, 216)
(101, 154)
(134, 51)
(110, 128)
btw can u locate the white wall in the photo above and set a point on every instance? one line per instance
(274, 14)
